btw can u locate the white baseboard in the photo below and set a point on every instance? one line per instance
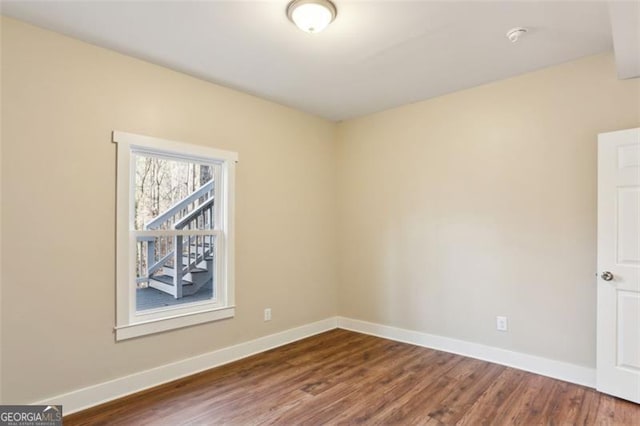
(103, 392)
(546, 367)
(97, 394)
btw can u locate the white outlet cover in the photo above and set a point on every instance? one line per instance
(501, 324)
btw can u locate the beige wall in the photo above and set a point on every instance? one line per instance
(483, 203)
(1, 67)
(61, 99)
(450, 211)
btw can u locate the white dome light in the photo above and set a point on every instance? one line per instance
(311, 16)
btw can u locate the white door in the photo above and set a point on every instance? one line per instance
(618, 370)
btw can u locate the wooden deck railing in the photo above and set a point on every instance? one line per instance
(194, 212)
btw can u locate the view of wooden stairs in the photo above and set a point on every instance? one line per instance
(193, 278)
(181, 265)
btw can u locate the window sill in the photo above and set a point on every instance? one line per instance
(170, 323)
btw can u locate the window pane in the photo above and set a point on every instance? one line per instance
(156, 261)
(173, 194)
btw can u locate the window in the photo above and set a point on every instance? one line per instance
(175, 248)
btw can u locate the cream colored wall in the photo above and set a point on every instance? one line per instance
(450, 211)
(61, 99)
(1, 394)
(483, 203)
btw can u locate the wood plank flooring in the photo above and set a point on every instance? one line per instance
(342, 377)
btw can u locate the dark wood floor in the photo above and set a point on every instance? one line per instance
(345, 377)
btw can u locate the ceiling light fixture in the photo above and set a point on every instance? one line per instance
(514, 34)
(311, 16)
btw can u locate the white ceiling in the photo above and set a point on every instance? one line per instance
(376, 54)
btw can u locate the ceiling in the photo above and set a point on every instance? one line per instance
(376, 55)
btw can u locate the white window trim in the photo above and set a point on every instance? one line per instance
(130, 324)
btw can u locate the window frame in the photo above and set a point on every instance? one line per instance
(129, 322)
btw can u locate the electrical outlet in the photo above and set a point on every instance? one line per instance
(267, 314)
(501, 323)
